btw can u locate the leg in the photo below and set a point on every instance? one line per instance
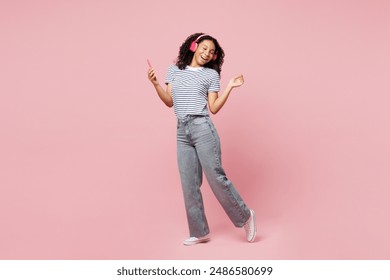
(209, 151)
(191, 180)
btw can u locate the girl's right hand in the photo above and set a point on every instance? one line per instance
(152, 76)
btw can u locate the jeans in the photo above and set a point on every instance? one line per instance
(198, 151)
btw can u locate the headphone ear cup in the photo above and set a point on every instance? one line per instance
(193, 46)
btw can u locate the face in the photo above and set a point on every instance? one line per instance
(203, 54)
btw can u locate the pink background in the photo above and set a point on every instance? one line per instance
(88, 153)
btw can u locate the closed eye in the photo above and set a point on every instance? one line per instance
(211, 52)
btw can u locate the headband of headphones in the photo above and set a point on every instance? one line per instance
(200, 36)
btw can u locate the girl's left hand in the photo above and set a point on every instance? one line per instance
(237, 81)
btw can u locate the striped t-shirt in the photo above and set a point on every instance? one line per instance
(190, 88)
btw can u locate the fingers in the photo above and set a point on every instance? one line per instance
(239, 79)
(152, 76)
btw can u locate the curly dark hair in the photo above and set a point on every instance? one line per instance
(185, 55)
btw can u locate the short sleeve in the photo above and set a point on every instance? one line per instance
(214, 82)
(170, 74)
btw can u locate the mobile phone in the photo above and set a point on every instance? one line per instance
(148, 61)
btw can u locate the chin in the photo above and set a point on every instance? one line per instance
(202, 63)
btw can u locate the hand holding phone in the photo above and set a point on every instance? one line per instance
(151, 73)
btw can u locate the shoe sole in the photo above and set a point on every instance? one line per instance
(189, 243)
(254, 225)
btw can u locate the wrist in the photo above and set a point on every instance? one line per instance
(230, 87)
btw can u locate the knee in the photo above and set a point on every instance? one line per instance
(220, 177)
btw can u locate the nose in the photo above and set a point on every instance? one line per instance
(208, 52)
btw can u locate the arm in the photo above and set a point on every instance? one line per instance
(216, 102)
(165, 95)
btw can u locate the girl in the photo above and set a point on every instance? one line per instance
(192, 86)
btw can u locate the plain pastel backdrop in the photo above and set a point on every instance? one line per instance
(88, 154)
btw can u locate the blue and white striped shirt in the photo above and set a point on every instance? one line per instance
(190, 88)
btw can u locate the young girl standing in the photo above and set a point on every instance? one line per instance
(193, 84)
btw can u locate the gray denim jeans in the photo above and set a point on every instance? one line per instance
(198, 151)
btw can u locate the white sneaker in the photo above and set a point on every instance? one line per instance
(250, 227)
(196, 240)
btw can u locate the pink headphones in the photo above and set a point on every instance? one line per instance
(194, 46)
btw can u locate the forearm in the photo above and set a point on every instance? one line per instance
(164, 95)
(218, 103)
